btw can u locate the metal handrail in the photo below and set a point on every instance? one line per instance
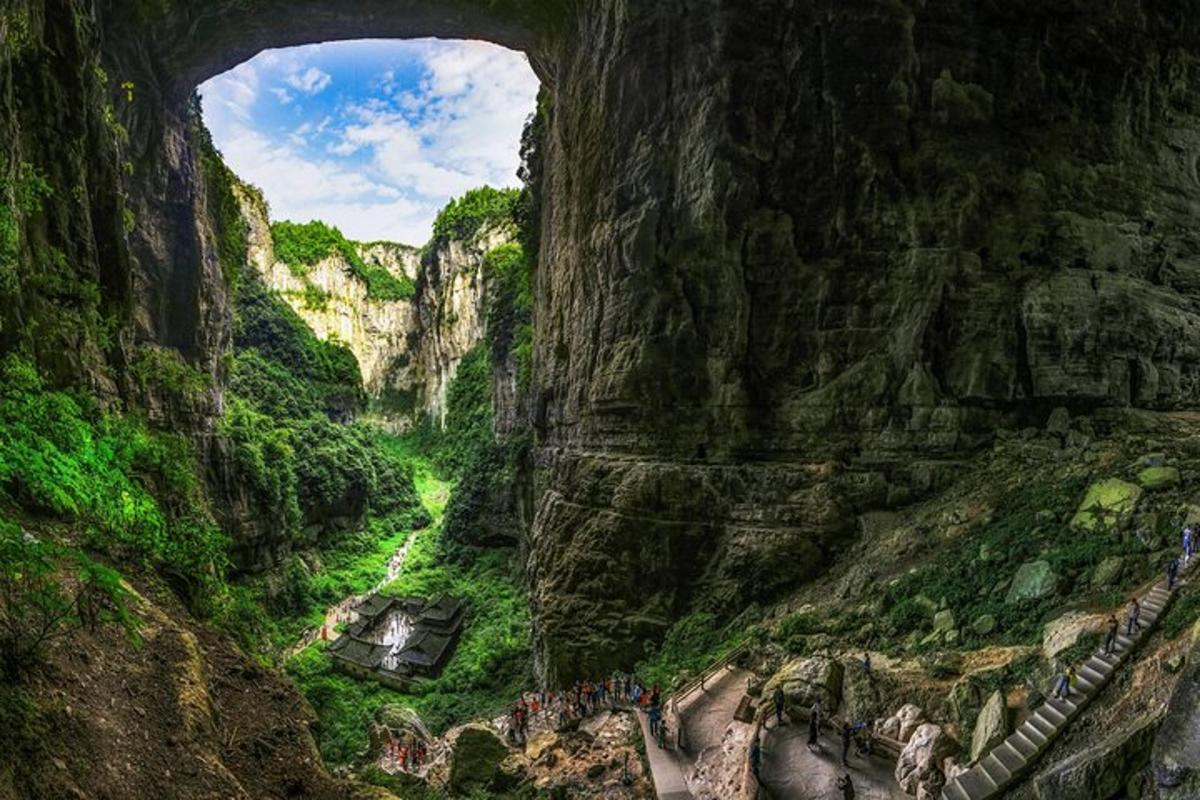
(698, 681)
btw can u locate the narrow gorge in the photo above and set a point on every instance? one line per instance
(820, 360)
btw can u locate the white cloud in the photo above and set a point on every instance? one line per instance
(310, 81)
(383, 156)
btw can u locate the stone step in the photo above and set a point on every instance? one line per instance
(1051, 715)
(995, 770)
(1096, 663)
(1046, 728)
(1022, 744)
(1066, 708)
(1084, 684)
(1092, 675)
(977, 783)
(1010, 757)
(1124, 642)
(954, 791)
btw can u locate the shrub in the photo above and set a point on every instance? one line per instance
(35, 605)
(465, 216)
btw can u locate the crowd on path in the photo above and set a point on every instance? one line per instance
(546, 709)
(1064, 683)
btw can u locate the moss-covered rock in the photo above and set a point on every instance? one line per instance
(1155, 478)
(1108, 504)
(1033, 581)
(475, 758)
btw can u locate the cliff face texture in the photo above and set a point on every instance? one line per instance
(408, 350)
(798, 258)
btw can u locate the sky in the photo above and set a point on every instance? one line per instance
(372, 136)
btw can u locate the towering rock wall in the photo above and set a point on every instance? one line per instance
(799, 258)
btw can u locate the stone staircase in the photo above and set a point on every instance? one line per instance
(1006, 763)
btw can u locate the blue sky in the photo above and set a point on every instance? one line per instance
(372, 136)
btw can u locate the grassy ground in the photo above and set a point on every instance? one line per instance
(490, 665)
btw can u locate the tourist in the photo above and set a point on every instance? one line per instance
(866, 664)
(847, 786)
(814, 720)
(1135, 613)
(847, 735)
(1172, 573)
(1110, 641)
(1062, 687)
(756, 759)
(814, 713)
(655, 718)
(777, 698)
(661, 737)
(1187, 545)
(635, 694)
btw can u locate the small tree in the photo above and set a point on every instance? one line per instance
(40, 599)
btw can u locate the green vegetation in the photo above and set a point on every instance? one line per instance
(22, 188)
(510, 309)
(61, 456)
(1182, 614)
(35, 605)
(293, 369)
(964, 574)
(165, 373)
(465, 216)
(224, 211)
(691, 645)
(301, 246)
(490, 665)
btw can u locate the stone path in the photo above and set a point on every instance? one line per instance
(790, 771)
(1013, 757)
(703, 714)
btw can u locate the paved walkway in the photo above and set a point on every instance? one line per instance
(704, 715)
(1016, 755)
(790, 771)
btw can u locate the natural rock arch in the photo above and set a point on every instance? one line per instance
(797, 258)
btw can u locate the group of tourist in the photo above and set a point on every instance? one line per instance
(1064, 684)
(583, 699)
(408, 754)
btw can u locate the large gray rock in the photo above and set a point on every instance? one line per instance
(1065, 630)
(1105, 769)
(918, 769)
(1175, 757)
(991, 726)
(1033, 581)
(806, 680)
(476, 753)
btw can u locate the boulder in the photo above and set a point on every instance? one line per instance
(542, 743)
(918, 769)
(806, 680)
(862, 698)
(1059, 421)
(1103, 770)
(910, 718)
(984, 624)
(1175, 757)
(476, 753)
(1107, 572)
(943, 621)
(1155, 478)
(991, 726)
(1033, 581)
(1064, 631)
(1108, 504)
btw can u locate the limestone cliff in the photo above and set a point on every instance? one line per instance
(407, 349)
